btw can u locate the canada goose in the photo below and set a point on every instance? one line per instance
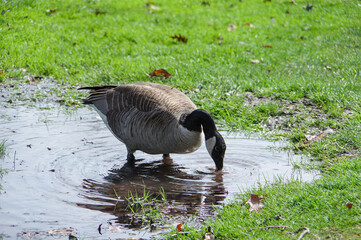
(156, 119)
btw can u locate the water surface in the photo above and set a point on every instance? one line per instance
(62, 171)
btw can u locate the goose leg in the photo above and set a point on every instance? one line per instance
(130, 156)
(167, 159)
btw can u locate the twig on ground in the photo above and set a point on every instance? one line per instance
(305, 231)
(277, 226)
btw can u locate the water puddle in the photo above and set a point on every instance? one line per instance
(65, 171)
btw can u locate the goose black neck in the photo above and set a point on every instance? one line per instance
(198, 118)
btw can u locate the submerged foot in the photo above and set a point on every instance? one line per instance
(167, 159)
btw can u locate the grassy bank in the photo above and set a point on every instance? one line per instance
(286, 69)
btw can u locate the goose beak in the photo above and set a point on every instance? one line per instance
(219, 164)
(216, 148)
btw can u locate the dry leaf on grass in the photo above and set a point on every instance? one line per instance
(232, 27)
(349, 205)
(254, 202)
(179, 226)
(248, 24)
(180, 38)
(160, 73)
(319, 136)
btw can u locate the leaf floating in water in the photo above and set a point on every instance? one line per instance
(160, 73)
(180, 38)
(63, 232)
(100, 229)
(29, 145)
(113, 228)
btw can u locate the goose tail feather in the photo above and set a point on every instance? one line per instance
(97, 88)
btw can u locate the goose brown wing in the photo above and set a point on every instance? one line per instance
(144, 97)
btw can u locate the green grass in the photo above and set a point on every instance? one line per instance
(319, 206)
(307, 81)
(146, 208)
(2, 148)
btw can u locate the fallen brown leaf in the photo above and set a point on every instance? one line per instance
(180, 38)
(97, 12)
(319, 136)
(248, 24)
(267, 46)
(100, 229)
(255, 202)
(160, 73)
(349, 205)
(31, 79)
(179, 226)
(62, 231)
(147, 4)
(50, 10)
(232, 27)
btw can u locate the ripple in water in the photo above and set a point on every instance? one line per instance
(67, 169)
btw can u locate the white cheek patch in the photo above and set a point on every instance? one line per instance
(210, 143)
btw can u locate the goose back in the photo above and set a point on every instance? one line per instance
(145, 116)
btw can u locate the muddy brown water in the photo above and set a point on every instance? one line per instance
(62, 172)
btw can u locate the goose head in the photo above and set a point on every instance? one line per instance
(214, 141)
(216, 148)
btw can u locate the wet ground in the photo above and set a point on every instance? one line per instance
(64, 171)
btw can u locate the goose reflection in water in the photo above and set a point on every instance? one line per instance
(190, 193)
